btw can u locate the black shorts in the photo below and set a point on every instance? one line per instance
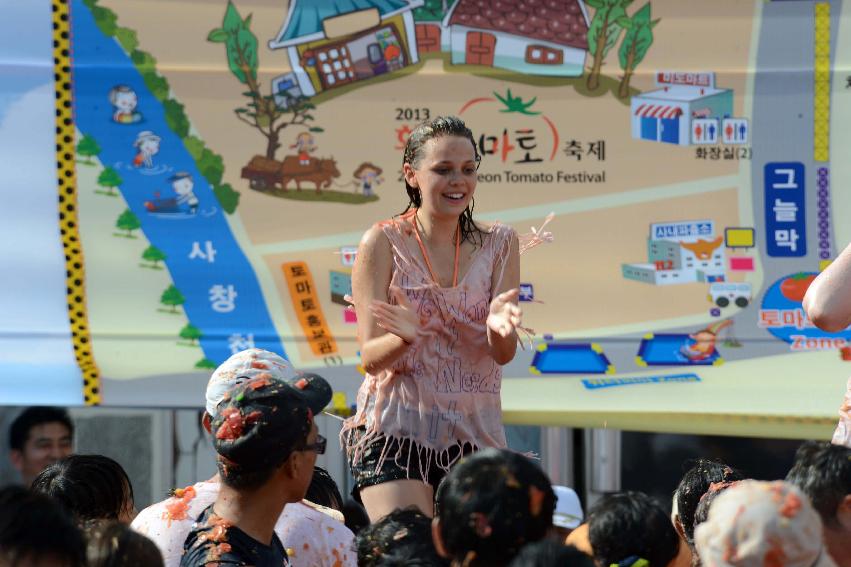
(366, 474)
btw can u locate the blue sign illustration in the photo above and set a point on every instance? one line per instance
(785, 213)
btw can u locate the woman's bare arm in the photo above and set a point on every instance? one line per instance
(828, 299)
(371, 277)
(505, 314)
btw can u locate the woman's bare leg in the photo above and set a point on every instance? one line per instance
(381, 499)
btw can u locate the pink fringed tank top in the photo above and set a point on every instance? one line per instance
(445, 391)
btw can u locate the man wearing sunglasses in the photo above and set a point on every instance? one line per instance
(257, 432)
(267, 444)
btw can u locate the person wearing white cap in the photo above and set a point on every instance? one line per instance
(313, 535)
(762, 524)
(568, 514)
(147, 145)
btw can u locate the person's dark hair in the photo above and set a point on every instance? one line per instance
(242, 477)
(436, 128)
(355, 515)
(694, 484)
(402, 534)
(90, 487)
(112, 544)
(631, 525)
(19, 432)
(702, 512)
(323, 490)
(492, 504)
(549, 553)
(822, 471)
(32, 526)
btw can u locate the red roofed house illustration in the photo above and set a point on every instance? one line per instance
(534, 37)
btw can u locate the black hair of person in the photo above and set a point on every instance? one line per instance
(437, 128)
(822, 471)
(246, 477)
(355, 515)
(491, 504)
(402, 537)
(550, 553)
(31, 417)
(32, 526)
(694, 484)
(323, 490)
(702, 513)
(112, 544)
(631, 525)
(90, 487)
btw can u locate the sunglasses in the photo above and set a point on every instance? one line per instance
(318, 447)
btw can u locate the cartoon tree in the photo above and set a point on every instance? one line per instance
(609, 20)
(88, 147)
(205, 364)
(431, 10)
(110, 179)
(172, 297)
(154, 255)
(191, 333)
(636, 41)
(265, 113)
(129, 222)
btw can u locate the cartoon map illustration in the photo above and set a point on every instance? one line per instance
(231, 154)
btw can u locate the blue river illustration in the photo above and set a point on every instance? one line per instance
(162, 186)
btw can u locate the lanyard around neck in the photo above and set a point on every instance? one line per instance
(425, 254)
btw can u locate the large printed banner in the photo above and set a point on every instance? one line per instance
(222, 160)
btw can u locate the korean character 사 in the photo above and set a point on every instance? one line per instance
(208, 252)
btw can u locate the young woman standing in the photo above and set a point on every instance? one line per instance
(436, 299)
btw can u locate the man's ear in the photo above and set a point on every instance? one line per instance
(207, 423)
(678, 525)
(291, 467)
(437, 538)
(17, 459)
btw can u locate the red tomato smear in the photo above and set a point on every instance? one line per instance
(234, 423)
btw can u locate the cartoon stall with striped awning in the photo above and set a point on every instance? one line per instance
(666, 114)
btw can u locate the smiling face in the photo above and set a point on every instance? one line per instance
(183, 186)
(445, 175)
(46, 444)
(126, 101)
(150, 145)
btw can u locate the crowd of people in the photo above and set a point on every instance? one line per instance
(433, 290)
(270, 505)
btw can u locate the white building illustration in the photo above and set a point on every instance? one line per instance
(680, 252)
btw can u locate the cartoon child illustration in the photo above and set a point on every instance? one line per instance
(702, 343)
(183, 184)
(305, 144)
(124, 99)
(368, 174)
(147, 145)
